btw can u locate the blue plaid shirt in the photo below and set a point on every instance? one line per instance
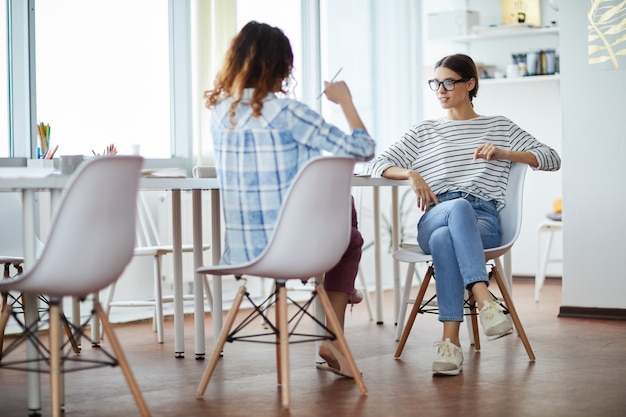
(257, 159)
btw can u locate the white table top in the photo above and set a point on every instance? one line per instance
(15, 179)
(12, 179)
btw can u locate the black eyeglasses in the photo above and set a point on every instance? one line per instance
(448, 85)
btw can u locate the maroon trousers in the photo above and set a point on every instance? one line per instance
(341, 278)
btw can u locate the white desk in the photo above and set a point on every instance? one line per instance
(196, 185)
(376, 183)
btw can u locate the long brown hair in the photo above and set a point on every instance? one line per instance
(259, 57)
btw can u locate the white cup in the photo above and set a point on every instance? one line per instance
(204, 172)
(512, 71)
(69, 163)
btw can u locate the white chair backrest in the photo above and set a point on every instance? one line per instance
(313, 227)
(146, 231)
(11, 232)
(92, 237)
(511, 214)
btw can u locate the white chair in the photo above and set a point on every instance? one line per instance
(510, 223)
(89, 245)
(547, 227)
(12, 253)
(149, 244)
(311, 235)
(11, 239)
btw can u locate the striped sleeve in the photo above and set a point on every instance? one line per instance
(522, 141)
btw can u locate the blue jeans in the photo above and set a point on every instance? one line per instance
(455, 232)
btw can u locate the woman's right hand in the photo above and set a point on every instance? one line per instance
(422, 191)
(337, 92)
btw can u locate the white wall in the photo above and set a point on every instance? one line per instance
(594, 145)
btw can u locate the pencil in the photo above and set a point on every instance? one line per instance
(331, 80)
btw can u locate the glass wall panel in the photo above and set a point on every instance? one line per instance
(4, 82)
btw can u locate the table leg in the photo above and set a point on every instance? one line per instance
(395, 245)
(198, 293)
(31, 306)
(377, 266)
(216, 253)
(179, 313)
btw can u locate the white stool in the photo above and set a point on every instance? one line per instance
(548, 226)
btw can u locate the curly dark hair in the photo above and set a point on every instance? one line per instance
(259, 57)
(462, 65)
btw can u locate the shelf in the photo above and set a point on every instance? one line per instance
(519, 80)
(500, 32)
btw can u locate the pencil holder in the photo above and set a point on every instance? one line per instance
(42, 163)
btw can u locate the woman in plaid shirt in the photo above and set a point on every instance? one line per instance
(262, 138)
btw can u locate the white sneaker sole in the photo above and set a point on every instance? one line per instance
(452, 372)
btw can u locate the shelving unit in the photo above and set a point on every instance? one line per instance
(521, 80)
(502, 32)
(495, 46)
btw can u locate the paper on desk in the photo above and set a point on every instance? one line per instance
(360, 169)
(163, 173)
(24, 172)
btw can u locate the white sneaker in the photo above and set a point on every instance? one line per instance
(449, 359)
(494, 323)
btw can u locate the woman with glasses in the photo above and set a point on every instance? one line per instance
(458, 166)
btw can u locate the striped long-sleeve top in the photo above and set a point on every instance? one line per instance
(442, 152)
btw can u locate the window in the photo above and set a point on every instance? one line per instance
(4, 82)
(103, 75)
(103, 68)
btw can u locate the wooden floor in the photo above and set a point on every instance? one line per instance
(580, 371)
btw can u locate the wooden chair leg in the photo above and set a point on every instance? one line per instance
(474, 321)
(121, 359)
(516, 321)
(333, 325)
(55, 358)
(158, 299)
(70, 335)
(219, 344)
(5, 313)
(283, 330)
(416, 307)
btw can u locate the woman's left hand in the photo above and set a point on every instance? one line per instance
(489, 152)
